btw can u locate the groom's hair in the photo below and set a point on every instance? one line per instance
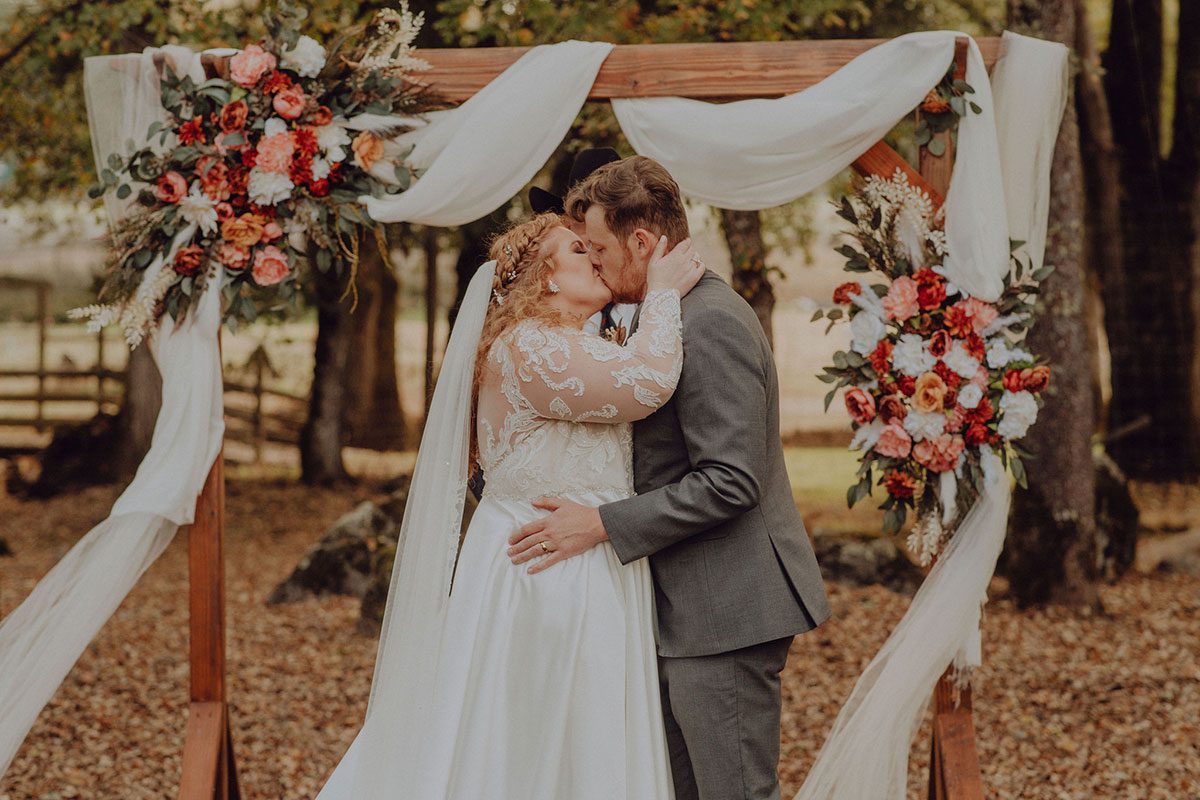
(635, 192)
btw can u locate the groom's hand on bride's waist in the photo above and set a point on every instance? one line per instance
(569, 529)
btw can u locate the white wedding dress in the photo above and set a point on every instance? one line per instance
(547, 684)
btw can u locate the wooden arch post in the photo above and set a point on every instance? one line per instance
(728, 71)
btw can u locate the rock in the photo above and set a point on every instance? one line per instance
(344, 562)
(866, 561)
(79, 455)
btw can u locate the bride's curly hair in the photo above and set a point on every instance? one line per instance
(518, 291)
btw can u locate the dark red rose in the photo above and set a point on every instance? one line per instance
(939, 343)
(1012, 380)
(191, 131)
(843, 293)
(976, 434)
(899, 484)
(952, 378)
(982, 412)
(907, 385)
(233, 116)
(188, 260)
(891, 408)
(881, 357)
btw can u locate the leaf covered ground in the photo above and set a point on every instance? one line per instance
(1067, 706)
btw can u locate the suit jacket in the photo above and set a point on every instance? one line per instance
(732, 562)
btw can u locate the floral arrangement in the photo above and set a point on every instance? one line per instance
(256, 174)
(933, 377)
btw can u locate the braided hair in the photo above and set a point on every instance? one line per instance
(518, 291)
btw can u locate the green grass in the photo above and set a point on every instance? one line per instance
(820, 477)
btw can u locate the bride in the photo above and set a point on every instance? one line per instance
(502, 685)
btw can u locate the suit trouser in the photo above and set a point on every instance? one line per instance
(722, 716)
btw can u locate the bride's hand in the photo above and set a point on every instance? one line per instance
(680, 269)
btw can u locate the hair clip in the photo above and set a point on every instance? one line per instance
(508, 250)
(499, 298)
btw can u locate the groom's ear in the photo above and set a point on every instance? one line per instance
(644, 242)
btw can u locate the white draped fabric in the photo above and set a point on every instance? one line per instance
(751, 154)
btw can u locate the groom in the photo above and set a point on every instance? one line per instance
(734, 573)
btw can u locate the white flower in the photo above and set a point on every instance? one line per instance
(911, 357)
(922, 425)
(951, 288)
(199, 209)
(1018, 410)
(867, 300)
(273, 126)
(307, 59)
(970, 395)
(320, 169)
(958, 359)
(999, 354)
(867, 435)
(866, 330)
(332, 139)
(268, 188)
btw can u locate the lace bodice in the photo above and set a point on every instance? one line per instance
(556, 403)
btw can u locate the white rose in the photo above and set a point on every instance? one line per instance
(320, 169)
(970, 395)
(307, 58)
(924, 425)
(999, 354)
(1018, 410)
(268, 188)
(911, 357)
(199, 209)
(958, 359)
(867, 435)
(273, 126)
(866, 330)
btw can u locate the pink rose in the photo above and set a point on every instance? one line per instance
(270, 266)
(894, 441)
(232, 256)
(171, 187)
(275, 153)
(900, 303)
(248, 66)
(939, 454)
(271, 232)
(980, 313)
(981, 378)
(860, 405)
(289, 103)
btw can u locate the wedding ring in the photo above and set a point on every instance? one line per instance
(543, 546)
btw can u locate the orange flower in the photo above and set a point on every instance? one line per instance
(368, 148)
(843, 293)
(233, 116)
(244, 231)
(1035, 379)
(860, 405)
(934, 104)
(930, 393)
(188, 260)
(900, 484)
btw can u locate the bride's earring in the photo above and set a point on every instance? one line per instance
(554, 287)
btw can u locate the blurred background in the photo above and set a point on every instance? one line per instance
(1104, 546)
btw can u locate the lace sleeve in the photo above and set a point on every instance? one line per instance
(572, 375)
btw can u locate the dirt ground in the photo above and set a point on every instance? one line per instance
(1067, 706)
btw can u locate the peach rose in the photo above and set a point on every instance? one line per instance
(248, 66)
(860, 405)
(289, 103)
(930, 393)
(271, 232)
(244, 231)
(939, 454)
(171, 187)
(980, 313)
(368, 148)
(1035, 379)
(894, 441)
(891, 409)
(275, 153)
(900, 303)
(232, 256)
(224, 211)
(233, 116)
(270, 266)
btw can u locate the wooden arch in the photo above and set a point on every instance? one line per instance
(725, 71)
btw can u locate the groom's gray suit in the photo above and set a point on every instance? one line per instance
(735, 577)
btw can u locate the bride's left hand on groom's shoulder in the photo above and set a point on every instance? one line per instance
(568, 530)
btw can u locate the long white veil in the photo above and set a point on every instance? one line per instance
(388, 749)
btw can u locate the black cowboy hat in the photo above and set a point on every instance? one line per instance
(587, 162)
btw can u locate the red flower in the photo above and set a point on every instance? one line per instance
(899, 484)
(881, 357)
(191, 131)
(975, 346)
(188, 260)
(982, 412)
(956, 417)
(1012, 380)
(891, 409)
(300, 170)
(931, 288)
(860, 405)
(958, 322)
(907, 385)
(319, 188)
(305, 141)
(276, 82)
(322, 116)
(952, 378)
(1035, 379)
(843, 293)
(976, 434)
(233, 116)
(249, 157)
(939, 343)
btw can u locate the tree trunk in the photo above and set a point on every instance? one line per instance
(1152, 338)
(751, 278)
(323, 434)
(1185, 167)
(374, 417)
(473, 251)
(139, 410)
(1050, 555)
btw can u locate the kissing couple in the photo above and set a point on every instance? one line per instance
(614, 622)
